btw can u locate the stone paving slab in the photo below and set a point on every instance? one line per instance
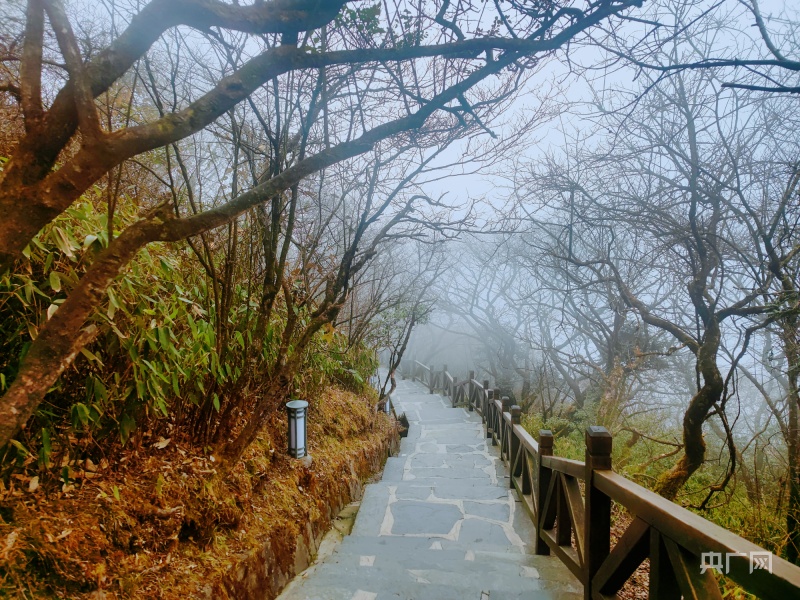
(442, 523)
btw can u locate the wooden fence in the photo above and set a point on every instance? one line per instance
(570, 503)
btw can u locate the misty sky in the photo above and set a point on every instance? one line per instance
(566, 79)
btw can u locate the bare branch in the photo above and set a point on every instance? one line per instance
(31, 65)
(84, 100)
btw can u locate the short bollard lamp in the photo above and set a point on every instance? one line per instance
(297, 427)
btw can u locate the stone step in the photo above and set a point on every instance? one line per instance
(488, 516)
(386, 566)
(431, 551)
(431, 573)
(305, 589)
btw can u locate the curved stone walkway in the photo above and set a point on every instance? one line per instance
(441, 524)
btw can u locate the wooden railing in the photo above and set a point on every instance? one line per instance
(570, 502)
(420, 372)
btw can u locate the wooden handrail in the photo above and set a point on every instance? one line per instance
(698, 535)
(527, 440)
(573, 519)
(573, 468)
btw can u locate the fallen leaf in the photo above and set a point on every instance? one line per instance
(63, 534)
(51, 310)
(11, 538)
(33, 484)
(162, 443)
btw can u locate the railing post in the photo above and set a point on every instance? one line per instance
(506, 403)
(597, 513)
(471, 399)
(489, 413)
(485, 403)
(542, 484)
(514, 468)
(497, 418)
(431, 375)
(443, 382)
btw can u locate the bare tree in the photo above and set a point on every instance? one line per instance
(393, 296)
(684, 179)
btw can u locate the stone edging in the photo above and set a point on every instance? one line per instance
(263, 574)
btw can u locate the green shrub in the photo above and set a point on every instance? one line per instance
(158, 353)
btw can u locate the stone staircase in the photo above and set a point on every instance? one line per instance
(441, 524)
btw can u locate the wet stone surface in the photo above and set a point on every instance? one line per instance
(442, 522)
(422, 518)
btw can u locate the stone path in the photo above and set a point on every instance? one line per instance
(441, 524)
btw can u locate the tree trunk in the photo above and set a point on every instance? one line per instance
(397, 357)
(17, 228)
(276, 393)
(64, 335)
(694, 445)
(789, 335)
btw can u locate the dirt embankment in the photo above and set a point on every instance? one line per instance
(161, 521)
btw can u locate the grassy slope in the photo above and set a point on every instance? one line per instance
(162, 522)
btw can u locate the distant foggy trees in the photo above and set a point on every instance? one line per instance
(390, 298)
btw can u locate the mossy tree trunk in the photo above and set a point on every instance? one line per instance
(709, 394)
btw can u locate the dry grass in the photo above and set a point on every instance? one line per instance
(636, 588)
(162, 521)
